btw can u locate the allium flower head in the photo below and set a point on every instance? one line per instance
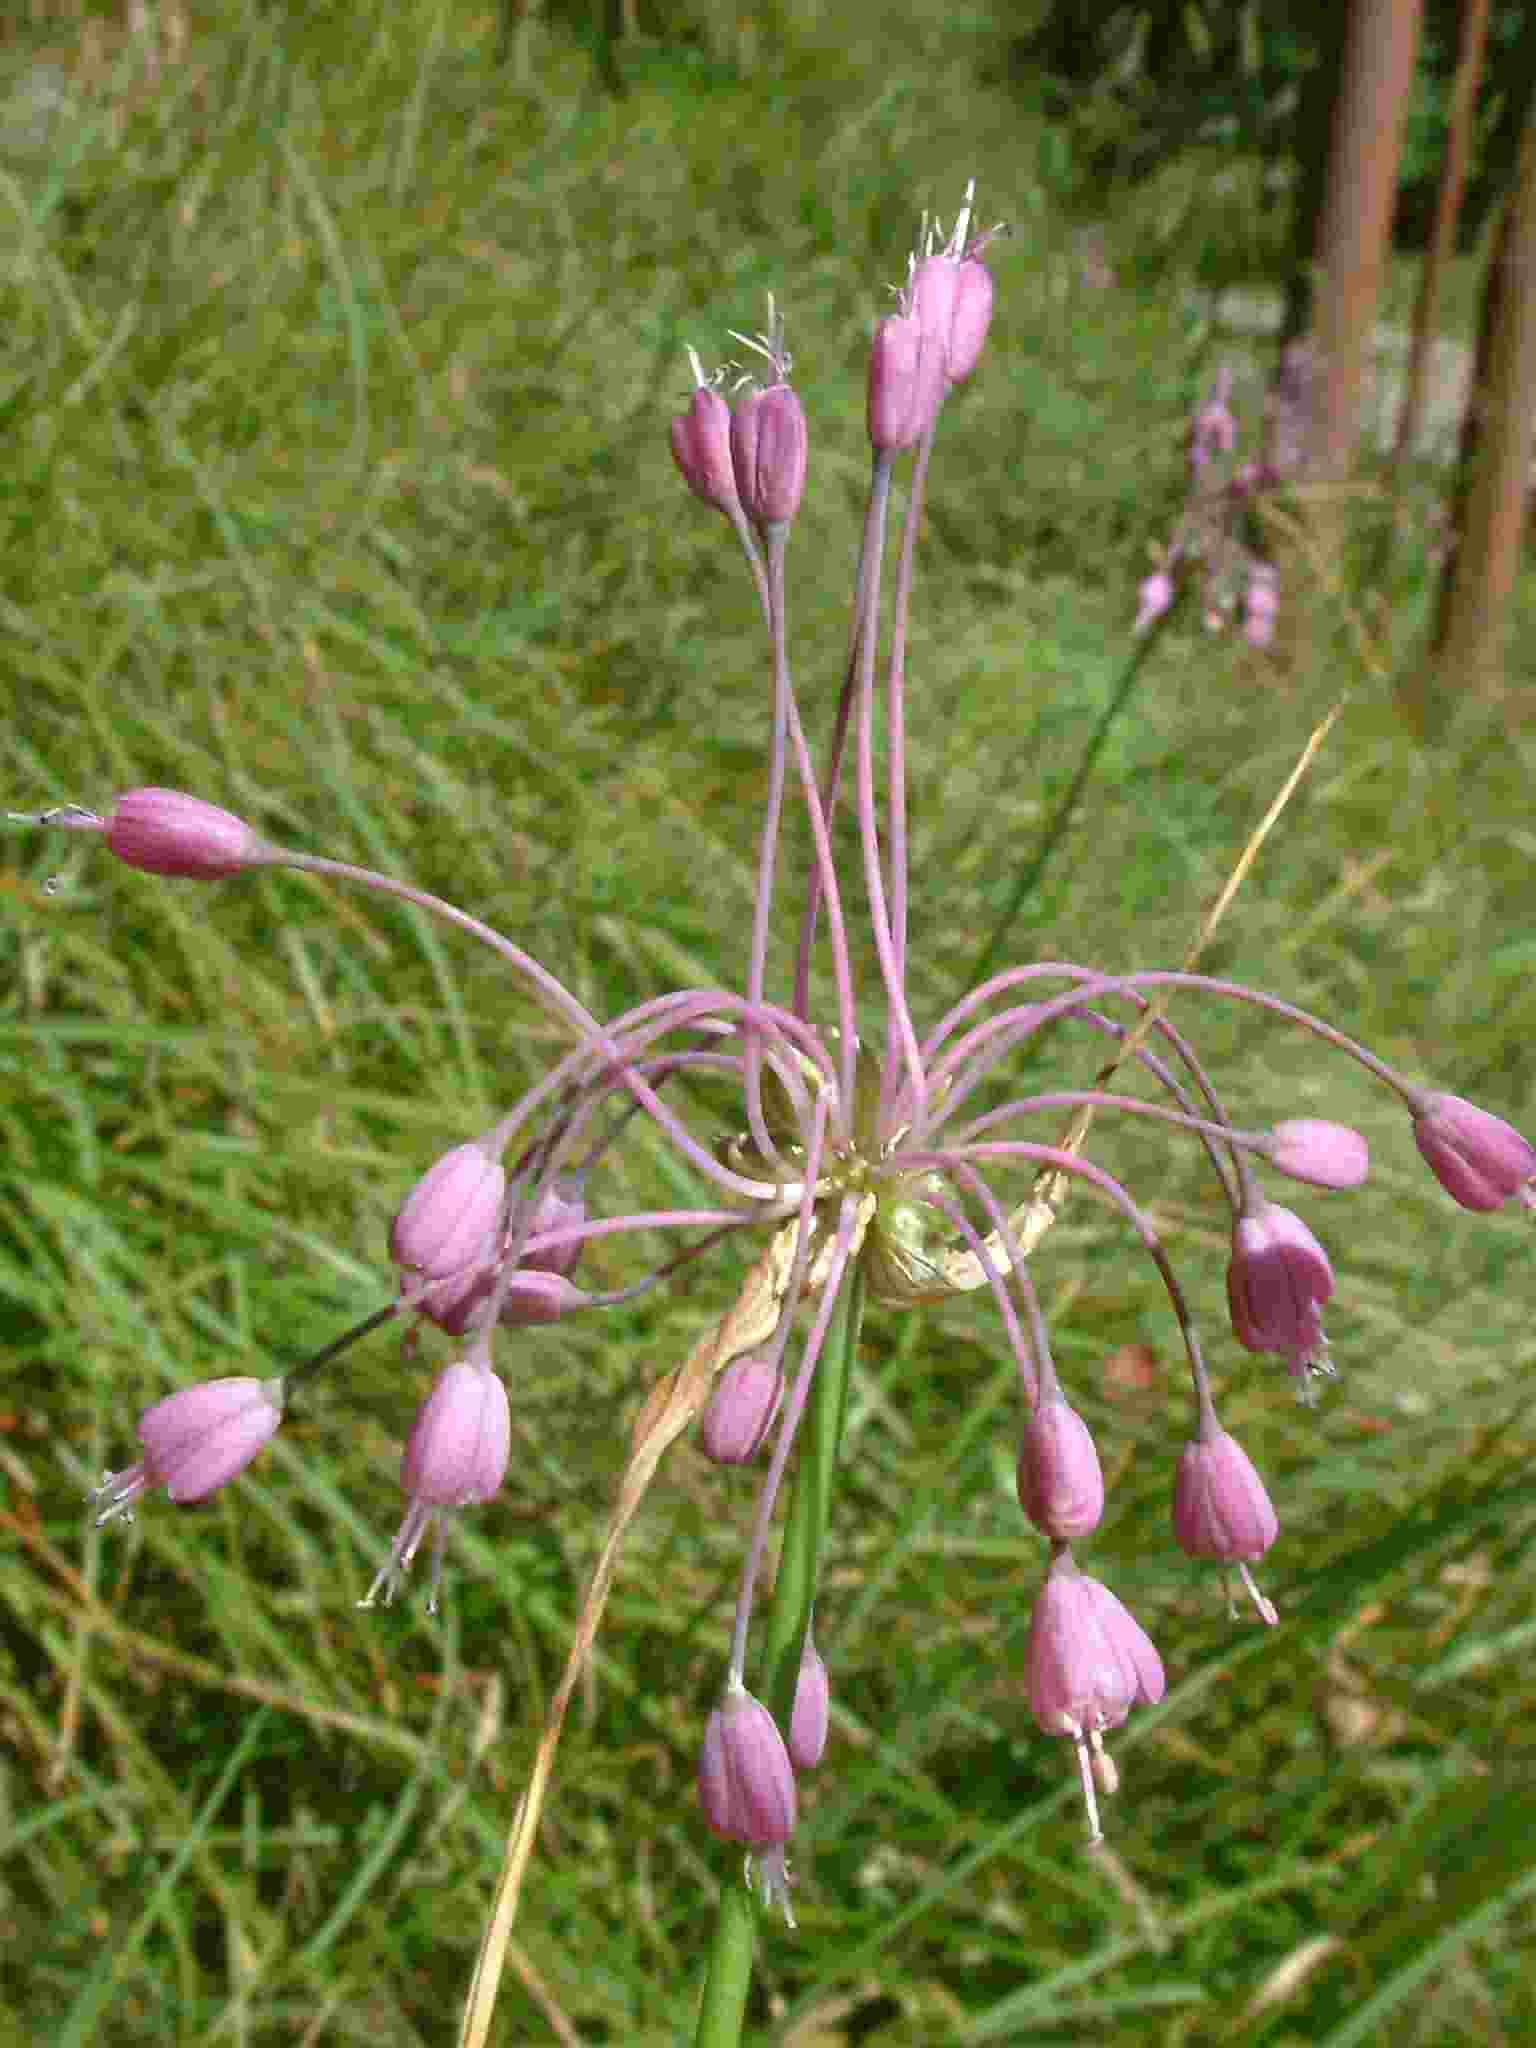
(196, 1440)
(1477, 1158)
(871, 1156)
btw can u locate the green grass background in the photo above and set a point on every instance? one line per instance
(334, 486)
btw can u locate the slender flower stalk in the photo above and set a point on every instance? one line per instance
(876, 1159)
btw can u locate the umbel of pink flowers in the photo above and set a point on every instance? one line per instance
(869, 1143)
(1218, 536)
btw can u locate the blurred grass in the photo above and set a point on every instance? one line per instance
(335, 488)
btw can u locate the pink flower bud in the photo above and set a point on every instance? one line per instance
(741, 1409)
(1477, 1158)
(455, 1455)
(972, 318)
(448, 1222)
(906, 384)
(457, 1449)
(195, 1441)
(1154, 598)
(532, 1296)
(746, 1781)
(952, 304)
(1327, 1155)
(1221, 1508)
(1061, 1485)
(535, 1296)
(1278, 1280)
(559, 1208)
(701, 448)
(768, 454)
(166, 832)
(808, 1718)
(1087, 1662)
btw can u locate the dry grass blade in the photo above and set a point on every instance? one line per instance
(667, 1412)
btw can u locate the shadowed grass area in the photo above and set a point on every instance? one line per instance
(335, 488)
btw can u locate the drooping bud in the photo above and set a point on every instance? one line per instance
(1326, 1155)
(746, 1781)
(455, 1456)
(1221, 1508)
(1061, 1484)
(195, 1441)
(1087, 1662)
(1278, 1281)
(768, 454)
(1477, 1158)
(448, 1222)
(531, 1296)
(456, 1452)
(809, 1716)
(701, 445)
(167, 832)
(740, 1411)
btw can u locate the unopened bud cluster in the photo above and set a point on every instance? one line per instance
(1219, 538)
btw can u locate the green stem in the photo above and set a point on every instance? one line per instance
(723, 2007)
(729, 1978)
